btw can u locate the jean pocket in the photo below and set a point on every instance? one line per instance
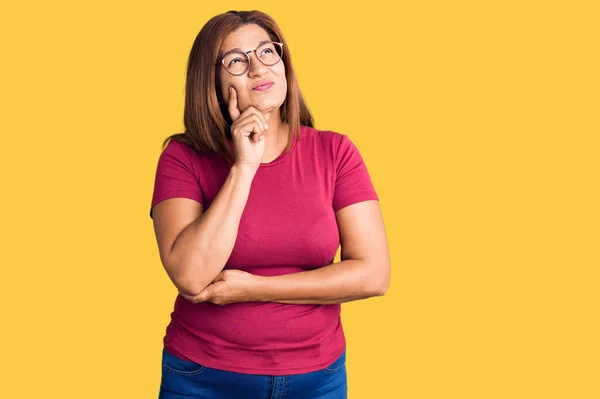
(180, 366)
(337, 365)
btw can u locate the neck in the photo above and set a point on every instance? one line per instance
(277, 132)
(276, 137)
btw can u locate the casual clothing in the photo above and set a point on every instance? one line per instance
(183, 379)
(287, 226)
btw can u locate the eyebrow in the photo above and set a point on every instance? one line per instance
(234, 50)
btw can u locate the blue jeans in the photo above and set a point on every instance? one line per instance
(183, 379)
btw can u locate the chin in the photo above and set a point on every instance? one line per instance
(267, 105)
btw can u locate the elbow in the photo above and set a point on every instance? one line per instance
(381, 289)
(188, 289)
(379, 286)
(191, 287)
(186, 282)
(384, 289)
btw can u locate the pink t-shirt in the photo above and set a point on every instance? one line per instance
(288, 226)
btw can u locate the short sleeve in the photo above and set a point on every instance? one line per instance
(175, 175)
(352, 183)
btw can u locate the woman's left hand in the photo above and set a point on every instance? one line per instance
(230, 286)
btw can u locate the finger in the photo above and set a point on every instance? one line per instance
(190, 298)
(185, 296)
(252, 118)
(234, 112)
(251, 110)
(257, 134)
(205, 295)
(248, 128)
(251, 129)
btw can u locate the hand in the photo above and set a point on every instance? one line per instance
(230, 286)
(247, 132)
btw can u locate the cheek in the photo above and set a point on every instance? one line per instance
(282, 78)
(283, 86)
(225, 82)
(222, 88)
(283, 90)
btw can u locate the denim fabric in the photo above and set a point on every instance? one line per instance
(183, 379)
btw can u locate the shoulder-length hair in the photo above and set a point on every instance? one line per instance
(206, 117)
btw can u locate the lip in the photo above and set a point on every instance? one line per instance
(264, 85)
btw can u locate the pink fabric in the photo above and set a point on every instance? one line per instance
(288, 226)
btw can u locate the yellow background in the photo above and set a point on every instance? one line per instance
(478, 122)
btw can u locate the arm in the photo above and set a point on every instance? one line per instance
(194, 245)
(344, 281)
(364, 270)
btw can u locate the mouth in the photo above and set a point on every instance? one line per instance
(262, 86)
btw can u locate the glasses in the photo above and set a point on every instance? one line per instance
(238, 62)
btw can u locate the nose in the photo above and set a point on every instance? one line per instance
(256, 67)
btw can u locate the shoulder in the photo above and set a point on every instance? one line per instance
(312, 133)
(325, 139)
(178, 148)
(186, 153)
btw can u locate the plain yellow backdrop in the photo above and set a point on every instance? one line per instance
(478, 122)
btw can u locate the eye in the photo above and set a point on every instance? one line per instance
(235, 60)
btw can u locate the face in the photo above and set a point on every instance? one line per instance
(247, 38)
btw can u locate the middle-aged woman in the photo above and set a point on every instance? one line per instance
(250, 205)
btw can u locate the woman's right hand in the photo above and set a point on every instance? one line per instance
(247, 132)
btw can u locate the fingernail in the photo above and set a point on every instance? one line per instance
(266, 126)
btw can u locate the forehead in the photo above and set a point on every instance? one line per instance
(244, 38)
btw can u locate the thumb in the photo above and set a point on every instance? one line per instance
(205, 295)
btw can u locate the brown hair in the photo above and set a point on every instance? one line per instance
(206, 119)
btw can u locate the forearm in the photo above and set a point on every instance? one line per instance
(344, 281)
(202, 249)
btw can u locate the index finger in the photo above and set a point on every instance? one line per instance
(234, 112)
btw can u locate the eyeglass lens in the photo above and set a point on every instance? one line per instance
(237, 62)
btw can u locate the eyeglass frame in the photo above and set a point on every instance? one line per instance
(246, 53)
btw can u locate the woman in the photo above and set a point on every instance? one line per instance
(250, 205)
